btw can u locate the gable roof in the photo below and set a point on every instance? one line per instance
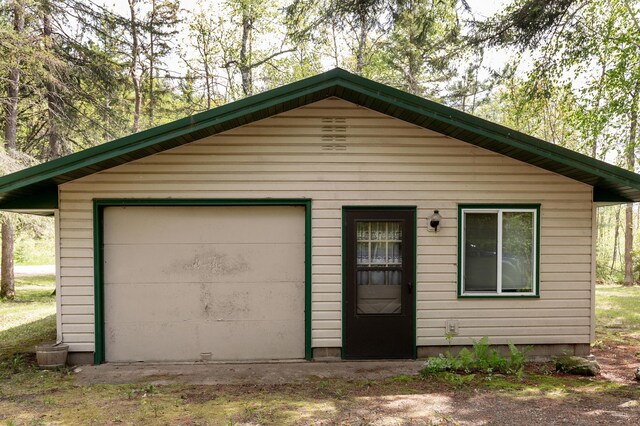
(35, 188)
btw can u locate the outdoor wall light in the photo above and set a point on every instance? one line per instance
(434, 221)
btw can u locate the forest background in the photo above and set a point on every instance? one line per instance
(78, 73)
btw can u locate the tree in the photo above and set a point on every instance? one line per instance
(255, 18)
(592, 48)
(135, 64)
(527, 24)
(160, 25)
(202, 26)
(54, 69)
(7, 279)
(422, 44)
(550, 117)
(361, 24)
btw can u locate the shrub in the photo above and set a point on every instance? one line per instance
(482, 359)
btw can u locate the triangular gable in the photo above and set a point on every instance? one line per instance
(35, 188)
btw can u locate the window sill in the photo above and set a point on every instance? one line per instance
(498, 296)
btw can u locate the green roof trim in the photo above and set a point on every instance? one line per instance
(36, 187)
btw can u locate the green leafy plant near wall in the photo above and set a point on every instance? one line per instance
(481, 359)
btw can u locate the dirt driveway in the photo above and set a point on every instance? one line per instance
(314, 394)
(371, 393)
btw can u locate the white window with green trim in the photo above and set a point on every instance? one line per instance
(499, 248)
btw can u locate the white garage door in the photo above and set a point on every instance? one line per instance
(180, 282)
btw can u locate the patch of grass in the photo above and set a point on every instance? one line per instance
(555, 386)
(29, 319)
(617, 313)
(48, 280)
(25, 337)
(34, 300)
(268, 405)
(534, 385)
(403, 378)
(51, 397)
(38, 249)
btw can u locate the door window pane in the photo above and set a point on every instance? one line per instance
(379, 292)
(376, 278)
(394, 277)
(379, 259)
(394, 254)
(362, 231)
(378, 231)
(395, 231)
(379, 243)
(517, 251)
(378, 253)
(481, 252)
(362, 256)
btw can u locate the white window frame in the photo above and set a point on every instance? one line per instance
(499, 211)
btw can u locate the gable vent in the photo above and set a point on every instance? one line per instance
(334, 129)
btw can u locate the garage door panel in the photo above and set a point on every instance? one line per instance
(157, 341)
(179, 224)
(225, 340)
(182, 281)
(233, 262)
(239, 301)
(280, 340)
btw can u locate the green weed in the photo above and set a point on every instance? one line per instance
(403, 379)
(482, 359)
(457, 380)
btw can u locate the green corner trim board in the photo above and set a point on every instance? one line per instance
(35, 188)
(98, 261)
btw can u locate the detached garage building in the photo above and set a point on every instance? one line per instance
(331, 217)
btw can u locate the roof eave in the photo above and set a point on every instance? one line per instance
(611, 184)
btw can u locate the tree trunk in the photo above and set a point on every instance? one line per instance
(54, 102)
(207, 77)
(414, 63)
(244, 66)
(105, 117)
(7, 281)
(133, 69)
(616, 237)
(206, 49)
(628, 245)
(334, 39)
(152, 41)
(13, 85)
(631, 157)
(603, 71)
(362, 41)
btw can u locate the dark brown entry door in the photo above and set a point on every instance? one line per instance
(379, 288)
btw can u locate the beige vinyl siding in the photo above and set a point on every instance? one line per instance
(369, 159)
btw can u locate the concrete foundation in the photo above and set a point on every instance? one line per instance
(534, 353)
(80, 358)
(327, 354)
